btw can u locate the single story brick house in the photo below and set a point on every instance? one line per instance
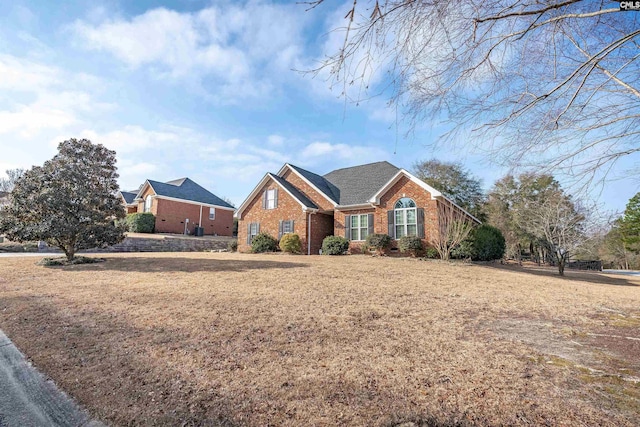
(129, 201)
(351, 202)
(181, 205)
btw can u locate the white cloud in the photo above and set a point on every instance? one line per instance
(23, 75)
(230, 52)
(132, 138)
(317, 152)
(275, 140)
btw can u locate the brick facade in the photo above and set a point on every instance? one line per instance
(288, 209)
(332, 220)
(171, 215)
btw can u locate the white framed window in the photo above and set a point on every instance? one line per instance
(271, 199)
(253, 230)
(147, 204)
(285, 226)
(406, 218)
(212, 213)
(359, 227)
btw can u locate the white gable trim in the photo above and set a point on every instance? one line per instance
(435, 194)
(142, 189)
(288, 166)
(256, 191)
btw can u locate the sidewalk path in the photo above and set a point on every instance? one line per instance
(28, 399)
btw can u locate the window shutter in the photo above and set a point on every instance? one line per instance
(347, 227)
(291, 227)
(264, 199)
(420, 219)
(391, 224)
(249, 234)
(257, 228)
(280, 227)
(275, 197)
(370, 222)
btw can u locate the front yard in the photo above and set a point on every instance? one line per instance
(232, 339)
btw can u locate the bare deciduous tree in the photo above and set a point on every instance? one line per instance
(552, 83)
(453, 228)
(7, 184)
(560, 225)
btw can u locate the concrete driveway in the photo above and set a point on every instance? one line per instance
(29, 399)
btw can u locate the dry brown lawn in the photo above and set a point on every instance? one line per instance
(231, 339)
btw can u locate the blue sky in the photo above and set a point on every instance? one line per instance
(200, 89)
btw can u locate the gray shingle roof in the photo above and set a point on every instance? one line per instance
(294, 191)
(128, 196)
(186, 189)
(322, 184)
(358, 183)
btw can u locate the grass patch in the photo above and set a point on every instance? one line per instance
(235, 339)
(63, 261)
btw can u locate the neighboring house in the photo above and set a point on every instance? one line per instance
(129, 201)
(181, 205)
(351, 202)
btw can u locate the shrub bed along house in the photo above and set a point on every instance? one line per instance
(379, 242)
(143, 222)
(263, 243)
(410, 245)
(334, 245)
(232, 246)
(291, 243)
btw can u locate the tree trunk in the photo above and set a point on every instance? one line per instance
(562, 261)
(69, 252)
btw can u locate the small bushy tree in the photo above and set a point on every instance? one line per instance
(411, 245)
(379, 242)
(291, 243)
(70, 202)
(232, 246)
(141, 222)
(488, 244)
(334, 245)
(263, 242)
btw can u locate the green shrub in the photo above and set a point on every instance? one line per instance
(334, 245)
(465, 249)
(291, 243)
(141, 222)
(410, 244)
(431, 253)
(232, 246)
(379, 242)
(488, 243)
(263, 243)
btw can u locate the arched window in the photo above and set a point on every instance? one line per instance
(406, 218)
(147, 204)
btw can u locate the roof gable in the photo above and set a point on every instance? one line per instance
(318, 183)
(128, 196)
(297, 195)
(358, 184)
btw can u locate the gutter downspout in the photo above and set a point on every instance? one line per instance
(309, 235)
(200, 222)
